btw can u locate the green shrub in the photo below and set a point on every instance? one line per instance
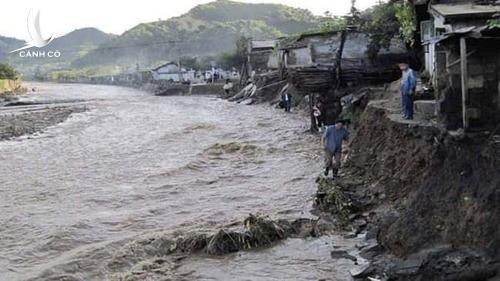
(8, 72)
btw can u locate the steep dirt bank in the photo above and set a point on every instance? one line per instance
(433, 197)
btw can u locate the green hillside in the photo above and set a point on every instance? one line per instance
(207, 29)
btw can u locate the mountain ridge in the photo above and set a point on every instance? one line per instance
(205, 30)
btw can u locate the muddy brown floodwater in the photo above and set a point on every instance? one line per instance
(134, 163)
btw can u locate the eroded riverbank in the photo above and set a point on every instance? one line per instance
(134, 164)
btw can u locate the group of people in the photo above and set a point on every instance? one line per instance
(334, 136)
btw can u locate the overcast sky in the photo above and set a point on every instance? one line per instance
(58, 17)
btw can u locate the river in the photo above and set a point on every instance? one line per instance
(135, 163)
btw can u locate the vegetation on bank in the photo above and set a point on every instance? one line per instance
(77, 73)
(8, 72)
(9, 81)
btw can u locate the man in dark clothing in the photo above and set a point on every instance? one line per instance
(286, 100)
(332, 141)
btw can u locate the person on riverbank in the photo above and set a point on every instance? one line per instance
(332, 141)
(318, 115)
(408, 87)
(228, 86)
(286, 100)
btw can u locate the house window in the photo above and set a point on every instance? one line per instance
(427, 30)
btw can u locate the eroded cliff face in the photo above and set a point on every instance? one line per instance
(439, 189)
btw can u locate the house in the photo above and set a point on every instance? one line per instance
(261, 55)
(170, 71)
(463, 59)
(317, 55)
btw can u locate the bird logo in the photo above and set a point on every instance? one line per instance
(37, 39)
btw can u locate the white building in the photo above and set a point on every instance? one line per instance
(170, 71)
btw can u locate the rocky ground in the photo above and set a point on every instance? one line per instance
(29, 121)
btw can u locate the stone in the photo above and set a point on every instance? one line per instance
(426, 108)
(409, 266)
(371, 251)
(340, 254)
(323, 227)
(361, 271)
(372, 232)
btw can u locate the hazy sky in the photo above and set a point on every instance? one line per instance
(58, 17)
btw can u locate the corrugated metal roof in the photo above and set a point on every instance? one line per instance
(263, 44)
(472, 32)
(457, 10)
(164, 64)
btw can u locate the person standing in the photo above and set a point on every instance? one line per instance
(408, 87)
(286, 100)
(228, 87)
(318, 116)
(332, 141)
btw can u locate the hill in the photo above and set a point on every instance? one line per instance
(206, 30)
(71, 46)
(8, 44)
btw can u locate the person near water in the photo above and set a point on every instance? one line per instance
(228, 86)
(286, 100)
(332, 140)
(318, 116)
(208, 77)
(408, 87)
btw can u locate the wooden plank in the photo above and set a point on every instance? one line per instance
(464, 76)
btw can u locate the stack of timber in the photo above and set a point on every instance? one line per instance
(312, 79)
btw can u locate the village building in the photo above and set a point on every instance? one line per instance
(323, 64)
(462, 58)
(262, 55)
(320, 53)
(171, 72)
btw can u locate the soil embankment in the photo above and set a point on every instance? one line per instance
(430, 197)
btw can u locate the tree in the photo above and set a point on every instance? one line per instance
(8, 72)
(238, 57)
(189, 62)
(332, 23)
(385, 21)
(380, 23)
(405, 15)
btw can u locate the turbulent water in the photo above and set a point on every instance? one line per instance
(134, 163)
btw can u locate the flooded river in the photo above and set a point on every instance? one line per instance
(134, 163)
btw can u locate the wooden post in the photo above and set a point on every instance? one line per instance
(338, 58)
(464, 76)
(314, 127)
